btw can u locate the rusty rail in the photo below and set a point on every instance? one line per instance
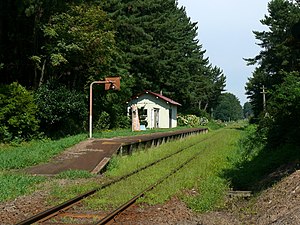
(47, 214)
(123, 207)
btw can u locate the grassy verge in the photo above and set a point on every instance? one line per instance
(13, 158)
(259, 167)
(16, 157)
(34, 152)
(201, 175)
(39, 151)
(14, 185)
(129, 132)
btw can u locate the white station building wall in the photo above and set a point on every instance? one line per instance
(158, 111)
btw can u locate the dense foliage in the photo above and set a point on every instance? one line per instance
(159, 42)
(278, 70)
(18, 113)
(247, 110)
(61, 111)
(150, 44)
(285, 108)
(228, 108)
(79, 46)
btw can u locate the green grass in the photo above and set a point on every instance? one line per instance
(74, 174)
(34, 152)
(16, 157)
(223, 162)
(39, 151)
(254, 173)
(129, 132)
(257, 161)
(202, 174)
(215, 125)
(14, 185)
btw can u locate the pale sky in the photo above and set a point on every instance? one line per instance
(225, 31)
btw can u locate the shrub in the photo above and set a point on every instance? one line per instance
(215, 124)
(283, 124)
(103, 121)
(18, 113)
(181, 120)
(203, 121)
(191, 120)
(62, 111)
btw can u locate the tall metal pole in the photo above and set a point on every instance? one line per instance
(91, 105)
(114, 84)
(91, 110)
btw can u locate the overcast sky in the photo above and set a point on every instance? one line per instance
(225, 31)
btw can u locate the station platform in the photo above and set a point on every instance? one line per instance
(93, 154)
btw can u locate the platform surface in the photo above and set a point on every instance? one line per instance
(92, 154)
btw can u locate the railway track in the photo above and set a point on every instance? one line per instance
(120, 209)
(64, 210)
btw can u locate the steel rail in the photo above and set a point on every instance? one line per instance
(56, 209)
(42, 216)
(126, 205)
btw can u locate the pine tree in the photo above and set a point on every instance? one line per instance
(279, 51)
(160, 43)
(277, 70)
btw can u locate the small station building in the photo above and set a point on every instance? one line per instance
(154, 110)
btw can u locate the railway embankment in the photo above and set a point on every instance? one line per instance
(195, 194)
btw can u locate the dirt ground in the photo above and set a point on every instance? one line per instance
(276, 205)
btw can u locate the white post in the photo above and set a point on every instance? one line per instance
(91, 110)
(107, 81)
(90, 127)
(91, 105)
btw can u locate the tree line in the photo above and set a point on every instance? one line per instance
(277, 69)
(51, 50)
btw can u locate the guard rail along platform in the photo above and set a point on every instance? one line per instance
(94, 154)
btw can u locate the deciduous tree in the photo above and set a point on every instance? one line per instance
(228, 108)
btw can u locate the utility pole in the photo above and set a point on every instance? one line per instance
(264, 96)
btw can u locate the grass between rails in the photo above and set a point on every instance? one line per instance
(14, 158)
(39, 151)
(201, 184)
(201, 175)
